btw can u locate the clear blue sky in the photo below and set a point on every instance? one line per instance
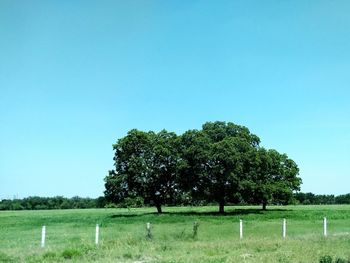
(77, 75)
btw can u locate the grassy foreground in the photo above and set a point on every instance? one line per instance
(71, 234)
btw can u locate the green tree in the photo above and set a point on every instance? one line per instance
(214, 161)
(146, 166)
(193, 170)
(221, 163)
(272, 177)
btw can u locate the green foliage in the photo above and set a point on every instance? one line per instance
(50, 255)
(111, 205)
(220, 163)
(214, 160)
(341, 260)
(310, 198)
(326, 259)
(132, 202)
(272, 177)
(146, 166)
(329, 259)
(58, 202)
(70, 253)
(128, 255)
(7, 259)
(342, 199)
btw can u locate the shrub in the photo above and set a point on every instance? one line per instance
(71, 253)
(341, 260)
(111, 205)
(50, 255)
(132, 202)
(326, 259)
(6, 258)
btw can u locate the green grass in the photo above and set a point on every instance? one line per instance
(70, 235)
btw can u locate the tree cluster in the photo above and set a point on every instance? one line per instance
(221, 163)
(314, 199)
(57, 202)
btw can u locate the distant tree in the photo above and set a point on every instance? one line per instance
(312, 199)
(299, 197)
(342, 199)
(57, 202)
(146, 166)
(101, 202)
(325, 199)
(306, 198)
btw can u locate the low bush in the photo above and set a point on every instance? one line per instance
(326, 259)
(70, 253)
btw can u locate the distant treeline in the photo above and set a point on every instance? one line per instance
(59, 202)
(313, 199)
(45, 203)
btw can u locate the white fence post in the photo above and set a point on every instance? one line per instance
(284, 231)
(240, 229)
(97, 234)
(43, 233)
(148, 228)
(325, 226)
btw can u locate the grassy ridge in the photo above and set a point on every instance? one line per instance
(70, 235)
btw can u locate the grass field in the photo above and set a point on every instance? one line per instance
(71, 235)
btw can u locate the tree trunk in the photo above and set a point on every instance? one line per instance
(159, 208)
(264, 204)
(222, 207)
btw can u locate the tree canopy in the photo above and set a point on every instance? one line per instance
(271, 176)
(222, 162)
(146, 165)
